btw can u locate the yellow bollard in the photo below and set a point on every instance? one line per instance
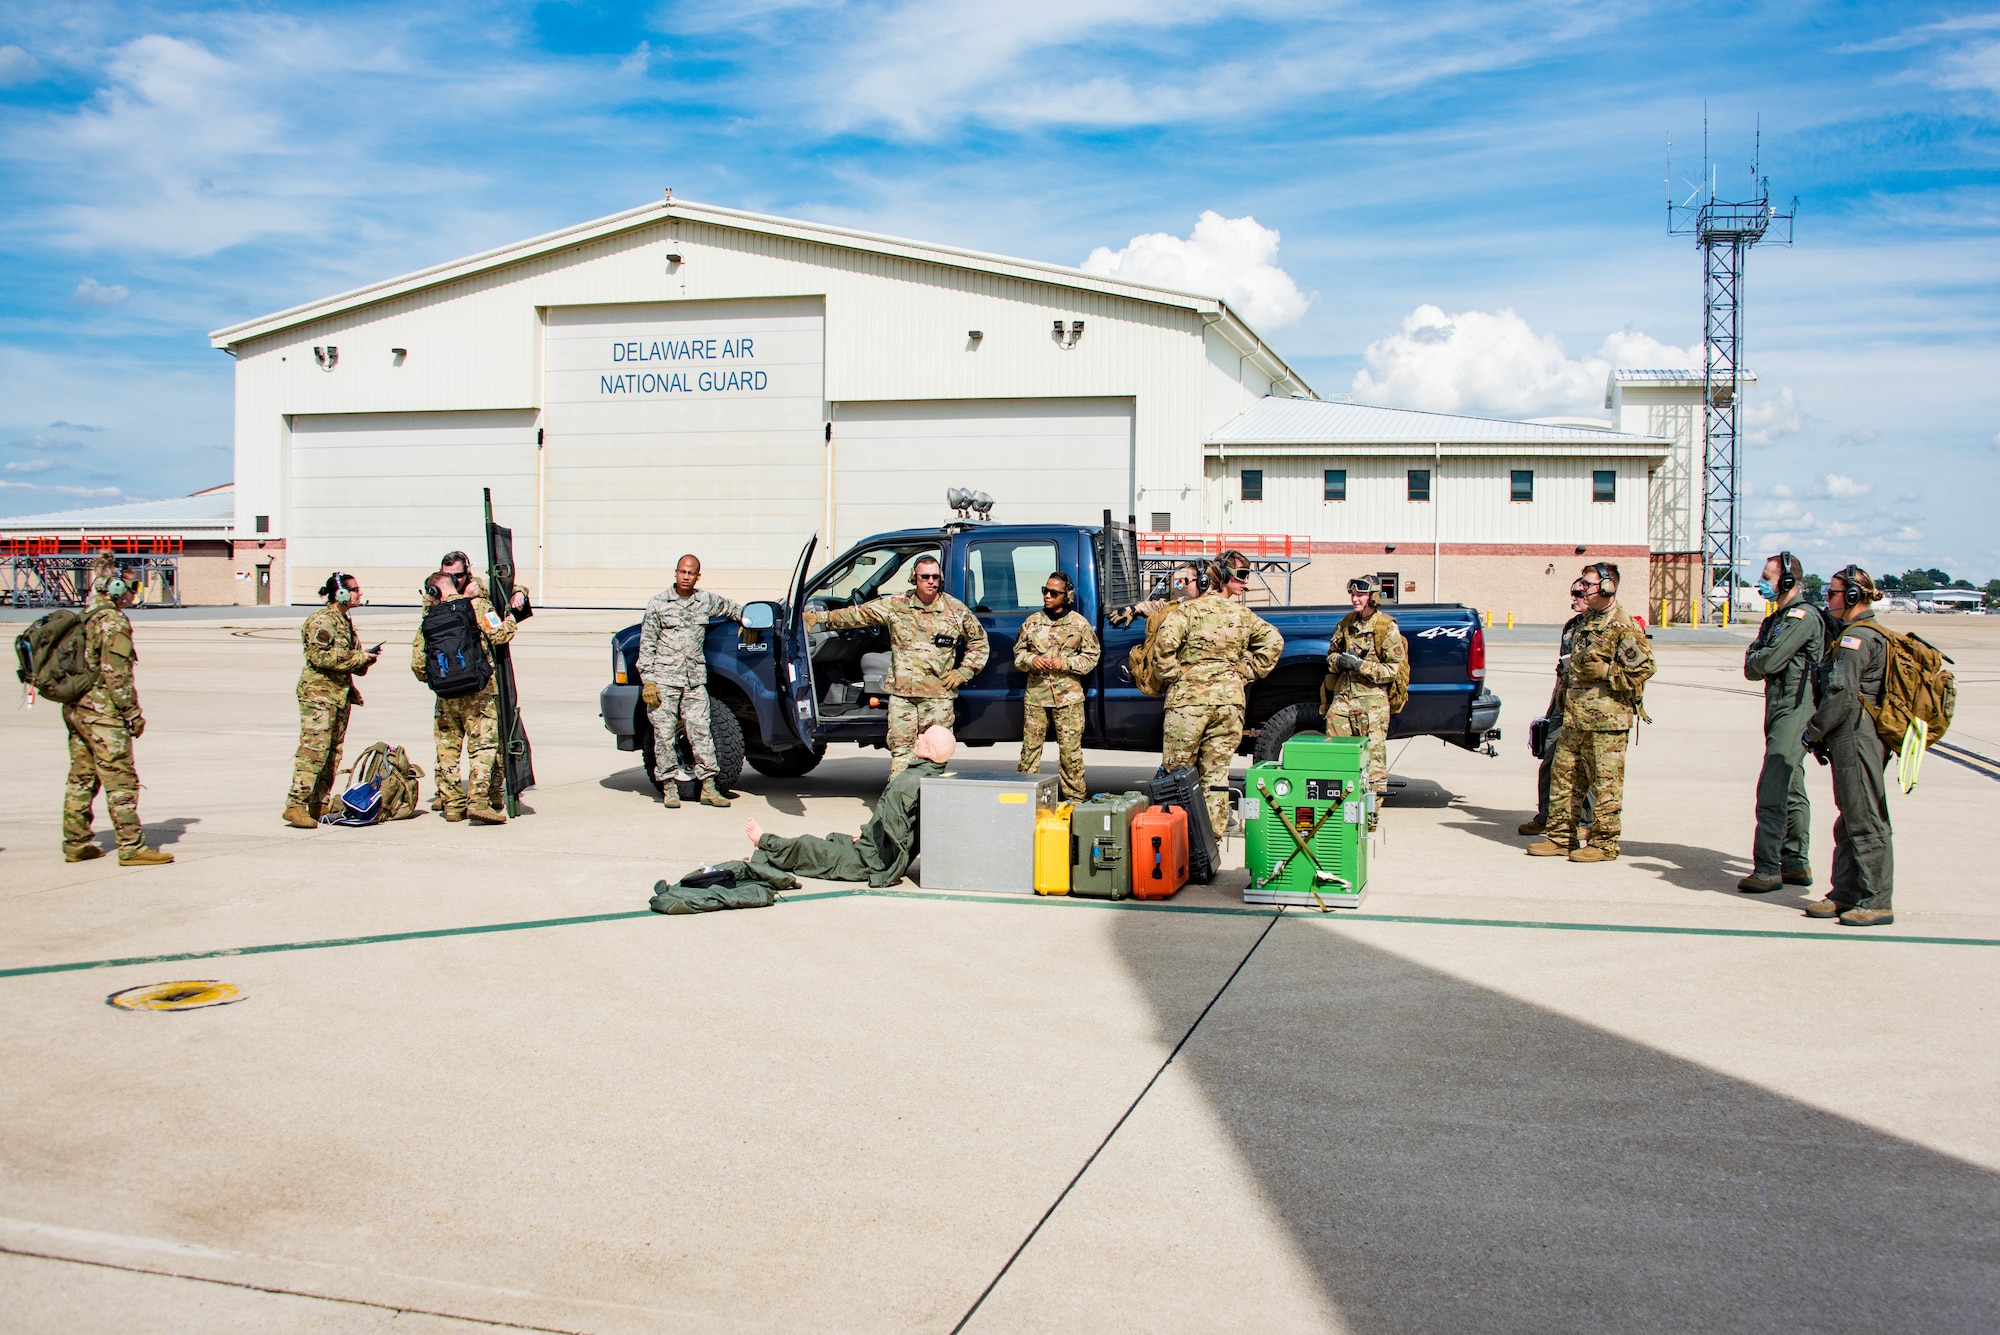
(1665, 620)
(1489, 618)
(1725, 612)
(1694, 610)
(1510, 621)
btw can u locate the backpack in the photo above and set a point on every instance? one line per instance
(455, 659)
(384, 788)
(1141, 662)
(50, 654)
(1916, 688)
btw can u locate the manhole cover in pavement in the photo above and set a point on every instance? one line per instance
(188, 996)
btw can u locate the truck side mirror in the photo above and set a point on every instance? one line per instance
(760, 616)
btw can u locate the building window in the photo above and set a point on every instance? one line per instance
(1523, 488)
(1253, 484)
(263, 523)
(1391, 583)
(1420, 484)
(1604, 485)
(1336, 484)
(1163, 521)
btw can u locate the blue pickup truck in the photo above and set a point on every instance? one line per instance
(780, 694)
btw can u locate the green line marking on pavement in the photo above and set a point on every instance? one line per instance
(1118, 906)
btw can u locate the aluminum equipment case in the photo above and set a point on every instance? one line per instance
(1320, 785)
(978, 830)
(1101, 834)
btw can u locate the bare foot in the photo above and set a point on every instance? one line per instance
(755, 831)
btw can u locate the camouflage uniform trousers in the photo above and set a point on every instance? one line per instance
(1364, 714)
(322, 732)
(682, 707)
(1206, 737)
(908, 716)
(1069, 744)
(469, 724)
(1592, 763)
(100, 756)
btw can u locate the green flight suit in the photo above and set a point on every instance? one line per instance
(879, 855)
(1864, 854)
(1784, 656)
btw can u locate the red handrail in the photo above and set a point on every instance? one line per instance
(1253, 545)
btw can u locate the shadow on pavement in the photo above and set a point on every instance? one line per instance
(1448, 1158)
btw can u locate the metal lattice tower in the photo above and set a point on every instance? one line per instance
(1725, 230)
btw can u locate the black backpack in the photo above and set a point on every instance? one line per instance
(455, 659)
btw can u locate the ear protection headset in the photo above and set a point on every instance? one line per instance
(1607, 578)
(1860, 586)
(1788, 572)
(335, 588)
(111, 584)
(1069, 587)
(925, 560)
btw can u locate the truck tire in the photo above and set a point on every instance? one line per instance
(722, 726)
(790, 764)
(1284, 725)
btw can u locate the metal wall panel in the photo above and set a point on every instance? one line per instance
(1042, 460)
(384, 495)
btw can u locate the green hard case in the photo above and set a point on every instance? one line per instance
(1100, 844)
(1320, 783)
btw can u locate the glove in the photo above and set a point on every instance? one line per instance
(650, 694)
(1347, 663)
(1595, 669)
(136, 725)
(1120, 617)
(953, 678)
(813, 617)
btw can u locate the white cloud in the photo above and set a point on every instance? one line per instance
(1231, 258)
(60, 491)
(1772, 415)
(1841, 488)
(90, 292)
(16, 66)
(1495, 363)
(28, 465)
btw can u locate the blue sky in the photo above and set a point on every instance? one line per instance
(1429, 168)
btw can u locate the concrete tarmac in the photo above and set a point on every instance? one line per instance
(476, 1083)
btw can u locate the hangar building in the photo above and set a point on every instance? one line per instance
(684, 377)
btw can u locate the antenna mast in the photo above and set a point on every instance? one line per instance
(1725, 230)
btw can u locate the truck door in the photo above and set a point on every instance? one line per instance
(1002, 581)
(796, 670)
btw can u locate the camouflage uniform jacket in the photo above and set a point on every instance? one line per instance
(107, 647)
(672, 633)
(1210, 647)
(334, 657)
(493, 628)
(1380, 647)
(1568, 647)
(923, 641)
(1606, 703)
(1068, 638)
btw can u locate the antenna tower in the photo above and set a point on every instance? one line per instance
(1725, 230)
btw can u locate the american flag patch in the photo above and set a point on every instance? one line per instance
(1850, 641)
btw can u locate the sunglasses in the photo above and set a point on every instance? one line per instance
(932, 576)
(1239, 576)
(1054, 593)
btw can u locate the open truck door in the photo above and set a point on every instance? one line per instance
(796, 670)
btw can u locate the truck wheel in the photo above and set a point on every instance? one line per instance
(789, 764)
(728, 735)
(1282, 726)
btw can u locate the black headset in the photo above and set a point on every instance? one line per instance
(1607, 578)
(1787, 578)
(1846, 576)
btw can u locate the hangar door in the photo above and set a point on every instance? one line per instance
(1060, 461)
(687, 426)
(384, 495)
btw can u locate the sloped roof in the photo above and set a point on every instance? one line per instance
(210, 511)
(1652, 376)
(849, 238)
(1283, 422)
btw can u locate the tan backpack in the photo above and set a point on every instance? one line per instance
(398, 776)
(1915, 685)
(1142, 663)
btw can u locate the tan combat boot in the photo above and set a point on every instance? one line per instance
(143, 856)
(1547, 849)
(670, 793)
(1798, 877)
(1592, 853)
(487, 816)
(82, 853)
(1531, 827)
(298, 817)
(1758, 885)
(1867, 918)
(711, 796)
(1826, 908)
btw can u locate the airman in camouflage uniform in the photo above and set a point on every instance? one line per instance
(1186, 588)
(1363, 662)
(1056, 649)
(673, 673)
(101, 726)
(1207, 650)
(926, 628)
(1601, 693)
(326, 691)
(1552, 739)
(468, 725)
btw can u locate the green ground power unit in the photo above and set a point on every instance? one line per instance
(1317, 793)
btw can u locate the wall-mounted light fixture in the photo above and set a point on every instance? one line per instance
(396, 355)
(1581, 550)
(1068, 339)
(1388, 546)
(673, 258)
(975, 334)
(327, 357)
